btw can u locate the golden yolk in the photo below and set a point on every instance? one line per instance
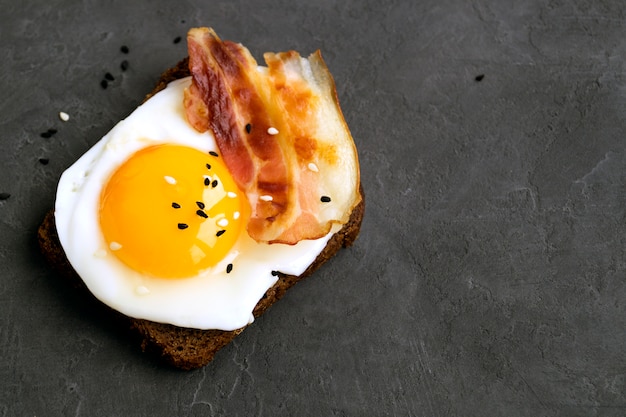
(171, 211)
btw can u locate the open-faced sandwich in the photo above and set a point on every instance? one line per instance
(228, 185)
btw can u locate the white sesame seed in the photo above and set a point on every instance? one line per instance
(142, 290)
(236, 215)
(100, 253)
(222, 222)
(231, 194)
(266, 198)
(313, 167)
(272, 131)
(64, 116)
(115, 246)
(170, 180)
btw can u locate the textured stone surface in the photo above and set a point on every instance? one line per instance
(490, 275)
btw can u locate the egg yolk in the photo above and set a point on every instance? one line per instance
(171, 211)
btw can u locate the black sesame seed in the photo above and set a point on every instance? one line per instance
(325, 199)
(220, 233)
(177, 39)
(213, 153)
(4, 196)
(229, 268)
(104, 84)
(200, 204)
(274, 273)
(248, 128)
(207, 181)
(208, 166)
(479, 77)
(108, 76)
(124, 49)
(182, 226)
(124, 65)
(214, 184)
(44, 161)
(176, 205)
(202, 214)
(48, 133)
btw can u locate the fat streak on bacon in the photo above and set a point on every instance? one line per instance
(281, 133)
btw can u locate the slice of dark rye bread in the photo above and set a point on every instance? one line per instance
(186, 348)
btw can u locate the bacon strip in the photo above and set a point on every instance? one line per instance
(240, 103)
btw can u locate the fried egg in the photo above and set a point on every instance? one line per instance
(153, 223)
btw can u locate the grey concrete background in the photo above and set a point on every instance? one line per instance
(490, 275)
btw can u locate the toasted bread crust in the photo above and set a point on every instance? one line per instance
(180, 347)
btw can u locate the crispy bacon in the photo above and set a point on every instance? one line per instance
(239, 102)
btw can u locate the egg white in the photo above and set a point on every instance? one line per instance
(211, 300)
